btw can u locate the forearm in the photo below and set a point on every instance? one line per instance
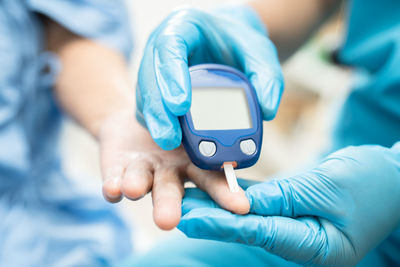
(290, 23)
(94, 80)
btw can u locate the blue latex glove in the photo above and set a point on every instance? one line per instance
(332, 215)
(233, 36)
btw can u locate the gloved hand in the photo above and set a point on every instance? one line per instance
(332, 215)
(233, 36)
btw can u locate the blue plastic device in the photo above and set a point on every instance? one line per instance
(210, 148)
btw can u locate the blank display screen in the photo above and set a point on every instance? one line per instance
(220, 109)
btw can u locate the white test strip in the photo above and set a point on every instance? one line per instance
(231, 177)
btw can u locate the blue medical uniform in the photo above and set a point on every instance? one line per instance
(370, 115)
(45, 220)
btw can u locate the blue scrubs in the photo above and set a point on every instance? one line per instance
(371, 115)
(44, 219)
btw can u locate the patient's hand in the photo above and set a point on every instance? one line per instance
(132, 165)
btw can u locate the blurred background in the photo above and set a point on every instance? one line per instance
(315, 88)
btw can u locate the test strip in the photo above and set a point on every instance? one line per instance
(231, 177)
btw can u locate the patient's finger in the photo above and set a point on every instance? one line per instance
(112, 183)
(167, 197)
(112, 168)
(214, 183)
(138, 178)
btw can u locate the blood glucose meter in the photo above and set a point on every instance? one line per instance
(224, 124)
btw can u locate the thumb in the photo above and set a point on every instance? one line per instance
(309, 194)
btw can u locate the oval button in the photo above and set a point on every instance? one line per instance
(248, 147)
(207, 148)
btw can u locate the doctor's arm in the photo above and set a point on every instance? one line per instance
(291, 23)
(94, 88)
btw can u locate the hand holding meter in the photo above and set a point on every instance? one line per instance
(223, 128)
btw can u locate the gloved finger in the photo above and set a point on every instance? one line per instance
(163, 126)
(293, 197)
(214, 183)
(138, 177)
(245, 183)
(167, 196)
(164, 88)
(259, 61)
(172, 72)
(261, 66)
(172, 43)
(196, 198)
(282, 236)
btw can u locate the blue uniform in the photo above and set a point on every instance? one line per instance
(45, 219)
(371, 115)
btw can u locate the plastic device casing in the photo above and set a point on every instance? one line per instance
(227, 141)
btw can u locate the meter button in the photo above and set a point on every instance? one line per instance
(248, 147)
(207, 148)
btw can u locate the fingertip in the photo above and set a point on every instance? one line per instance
(179, 105)
(165, 131)
(112, 190)
(271, 97)
(167, 214)
(216, 186)
(112, 200)
(169, 141)
(269, 91)
(165, 225)
(237, 203)
(268, 114)
(135, 188)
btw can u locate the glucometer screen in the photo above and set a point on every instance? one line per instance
(220, 109)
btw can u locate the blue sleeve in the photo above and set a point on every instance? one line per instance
(105, 21)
